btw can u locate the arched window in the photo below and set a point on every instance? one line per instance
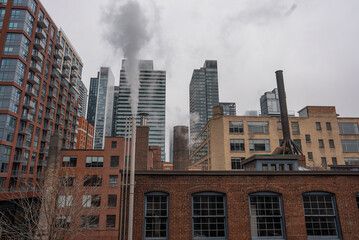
(266, 212)
(156, 215)
(209, 216)
(321, 217)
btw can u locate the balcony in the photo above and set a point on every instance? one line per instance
(73, 73)
(42, 22)
(58, 54)
(74, 66)
(35, 67)
(47, 127)
(49, 116)
(37, 55)
(41, 163)
(17, 173)
(20, 159)
(68, 118)
(55, 74)
(63, 102)
(40, 33)
(59, 45)
(30, 91)
(52, 94)
(66, 65)
(54, 84)
(56, 63)
(51, 105)
(67, 56)
(67, 127)
(39, 44)
(44, 150)
(63, 93)
(73, 81)
(59, 122)
(33, 79)
(21, 145)
(66, 73)
(45, 138)
(29, 104)
(61, 112)
(24, 131)
(27, 117)
(65, 83)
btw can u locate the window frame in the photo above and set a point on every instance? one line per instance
(321, 143)
(236, 127)
(69, 163)
(335, 212)
(282, 215)
(328, 126)
(308, 138)
(225, 215)
(145, 217)
(331, 143)
(252, 142)
(318, 126)
(233, 145)
(252, 129)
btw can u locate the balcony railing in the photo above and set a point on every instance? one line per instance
(45, 138)
(54, 84)
(27, 117)
(24, 131)
(17, 173)
(37, 55)
(66, 65)
(55, 74)
(29, 104)
(39, 44)
(33, 79)
(73, 81)
(19, 159)
(52, 94)
(74, 66)
(59, 45)
(42, 22)
(49, 116)
(35, 67)
(51, 105)
(21, 145)
(67, 56)
(47, 127)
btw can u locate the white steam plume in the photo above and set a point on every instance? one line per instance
(127, 32)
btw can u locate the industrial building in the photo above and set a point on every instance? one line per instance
(323, 137)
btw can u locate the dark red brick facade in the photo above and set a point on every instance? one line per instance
(237, 186)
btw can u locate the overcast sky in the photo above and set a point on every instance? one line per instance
(314, 42)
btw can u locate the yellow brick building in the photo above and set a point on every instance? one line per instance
(324, 138)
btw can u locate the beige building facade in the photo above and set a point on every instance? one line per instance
(324, 138)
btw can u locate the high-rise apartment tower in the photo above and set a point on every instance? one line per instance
(152, 100)
(203, 94)
(39, 74)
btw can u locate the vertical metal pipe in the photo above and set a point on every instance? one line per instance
(283, 105)
(123, 181)
(126, 182)
(132, 180)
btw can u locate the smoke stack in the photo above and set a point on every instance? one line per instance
(180, 148)
(143, 120)
(288, 146)
(283, 105)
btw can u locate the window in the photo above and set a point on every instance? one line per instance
(113, 144)
(266, 216)
(321, 143)
(324, 162)
(348, 128)
(318, 126)
(93, 181)
(310, 156)
(236, 162)
(112, 200)
(298, 143)
(113, 181)
(237, 145)
(331, 143)
(64, 201)
(156, 216)
(260, 145)
(115, 160)
(295, 128)
(69, 161)
(63, 222)
(209, 215)
(235, 127)
(328, 125)
(357, 197)
(334, 161)
(350, 145)
(94, 162)
(90, 221)
(351, 161)
(67, 180)
(321, 215)
(110, 221)
(257, 127)
(91, 201)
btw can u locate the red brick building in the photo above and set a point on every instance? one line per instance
(85, 134)
(246, 205)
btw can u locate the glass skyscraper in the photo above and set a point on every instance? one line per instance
(104, 107)
(203, 94)
(91, 109)
(152, 100)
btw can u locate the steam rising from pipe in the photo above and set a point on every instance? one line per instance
(127, 32)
